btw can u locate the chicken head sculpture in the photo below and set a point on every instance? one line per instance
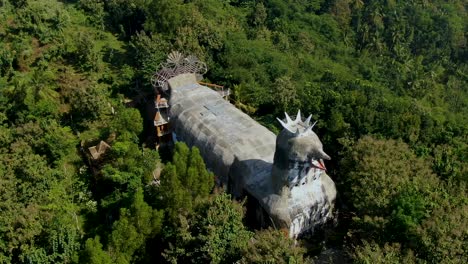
(299, 154)
(303, 195)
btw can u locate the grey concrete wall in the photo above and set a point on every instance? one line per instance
(223, 133)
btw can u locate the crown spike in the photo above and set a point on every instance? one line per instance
(307, 121)
(309, 129)
(288, 119)
(285, 126)
(298, 117)
(313, 124)
(282, 123)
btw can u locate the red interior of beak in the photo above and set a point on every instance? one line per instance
(319, 165)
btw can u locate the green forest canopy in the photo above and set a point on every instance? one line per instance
(387, 81)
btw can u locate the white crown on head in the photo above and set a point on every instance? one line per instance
(297, 126)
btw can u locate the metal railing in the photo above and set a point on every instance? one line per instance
(218, 88)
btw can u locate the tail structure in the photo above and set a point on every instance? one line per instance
(175, 64)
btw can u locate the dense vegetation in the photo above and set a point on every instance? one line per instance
(387, 81)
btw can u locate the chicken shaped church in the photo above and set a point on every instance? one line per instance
(284, 176)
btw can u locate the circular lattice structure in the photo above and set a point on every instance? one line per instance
(175, 64)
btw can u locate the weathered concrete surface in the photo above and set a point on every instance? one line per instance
(241, 152)
(222, 132)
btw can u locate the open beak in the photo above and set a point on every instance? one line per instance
(318, 164)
